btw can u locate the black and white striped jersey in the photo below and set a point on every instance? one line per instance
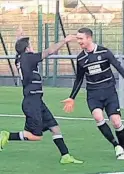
(95, 66)
(27, 66)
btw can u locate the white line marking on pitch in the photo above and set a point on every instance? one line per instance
(62, 118)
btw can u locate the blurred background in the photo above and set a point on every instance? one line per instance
(48, 21)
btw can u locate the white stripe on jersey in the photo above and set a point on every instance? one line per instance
(99, 81)
(102, 51)
(95, 63)
(36, 92)
(36, 81)
(83, 57)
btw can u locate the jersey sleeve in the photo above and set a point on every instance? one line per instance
(78, 81)
(112, 60)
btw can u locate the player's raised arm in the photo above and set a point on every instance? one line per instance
(19, 33)
(55, 47)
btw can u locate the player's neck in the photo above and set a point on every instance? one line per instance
(90, 47)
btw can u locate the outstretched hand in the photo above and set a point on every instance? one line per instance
(19, 33)
(70, 38)
(68, 105)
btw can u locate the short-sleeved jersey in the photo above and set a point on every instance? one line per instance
(95, 66)
(27, 66)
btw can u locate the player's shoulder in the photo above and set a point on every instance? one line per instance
(26, 54)
(81, 55)
(101, 49)
(30, 54)
(104, 50)
(26, 58)
(34, 54)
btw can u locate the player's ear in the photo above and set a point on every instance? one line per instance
(27, 49)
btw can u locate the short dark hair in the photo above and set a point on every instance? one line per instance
(21, 45)
(87, 31)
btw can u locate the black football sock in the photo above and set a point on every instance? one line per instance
(17, 136)
(120, 135)
(106, 131)
(59, 142)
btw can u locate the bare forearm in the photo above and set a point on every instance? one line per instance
(54, 48)
(19, 33)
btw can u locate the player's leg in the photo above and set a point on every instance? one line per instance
(113, 111)
(96, 105)
(51, 124)
(24, 135)
(103, 126)
(59, 141)
(33, 124)
(48, 122)
(6, 136)
(58, 138)
(119, 128)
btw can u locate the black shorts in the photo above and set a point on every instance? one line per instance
(38, 116)
(104, 99)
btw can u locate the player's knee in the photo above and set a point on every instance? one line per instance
(55, 130)
(116, 121)
(98, 115)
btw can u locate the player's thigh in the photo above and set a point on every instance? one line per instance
(112, 106)
(96, 108)
(48, 119)
(32, 110)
